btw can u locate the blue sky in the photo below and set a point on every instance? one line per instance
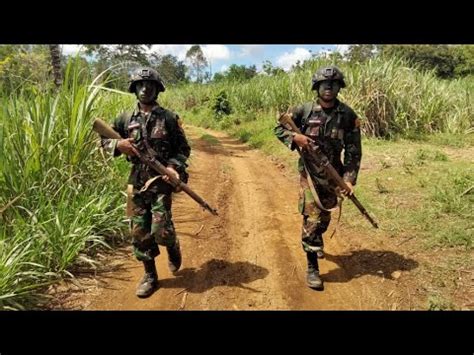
(221, 56)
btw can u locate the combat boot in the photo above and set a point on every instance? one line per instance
(149, 282)
(174, 257)
(313, 280)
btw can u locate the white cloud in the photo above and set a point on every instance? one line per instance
(250, 50)
(211, 51)
(287, 59)
(342, 48)
(71, 49)
(216, 51)
(224, 68)
(324, 53)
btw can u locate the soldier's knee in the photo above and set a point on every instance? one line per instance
(138, 232)
(162, 227)
(140, 224)
(165, 235)
(145, 249)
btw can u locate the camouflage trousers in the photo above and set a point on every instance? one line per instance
(151, 224)
(315, 221)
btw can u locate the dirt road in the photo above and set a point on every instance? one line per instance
(250, 257)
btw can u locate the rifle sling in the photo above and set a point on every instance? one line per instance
(318, 201)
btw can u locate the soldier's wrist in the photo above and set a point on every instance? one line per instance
(292, 137)
(348, 178)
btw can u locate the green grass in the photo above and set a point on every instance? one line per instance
(412, 187)
(412, 183)
(415, 189)
(392, 99)
(61, 197)
(437, 302)
(210, 139)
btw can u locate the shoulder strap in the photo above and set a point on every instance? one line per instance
(124, 119)
(307, 109)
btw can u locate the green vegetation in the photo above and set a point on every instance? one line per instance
(58, 196)
(58, 192)
(393, 99)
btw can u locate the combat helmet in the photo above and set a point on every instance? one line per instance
(145, 74)
(327, 73)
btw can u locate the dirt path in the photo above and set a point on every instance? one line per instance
(250, 257)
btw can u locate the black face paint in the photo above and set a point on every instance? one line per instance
(328, 90)
(146, 91)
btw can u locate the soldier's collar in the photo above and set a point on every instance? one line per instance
(318, 108)
(155, 109)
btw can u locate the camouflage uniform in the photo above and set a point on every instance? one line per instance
(155, 132)
(334, 129)
(160, 133)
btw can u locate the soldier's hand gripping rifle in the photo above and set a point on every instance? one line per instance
(323, 162)
(105, 130)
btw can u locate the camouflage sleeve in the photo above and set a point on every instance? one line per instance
(182, 149)
(284, 134)
(352, 148)
(110, 145)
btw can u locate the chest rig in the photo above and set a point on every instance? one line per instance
(321, 126)
(150, 134)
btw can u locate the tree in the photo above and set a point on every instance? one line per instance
(360, 52)
(136, 53)
(443, 59)
(56, 63)
(269, 69)
(466, 60)
(237, 73)
(171, 70)
(22, 65)
(198, 62)
(126, 56)
(218, 77)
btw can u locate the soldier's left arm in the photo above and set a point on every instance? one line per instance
(352, 147)
(182, 150)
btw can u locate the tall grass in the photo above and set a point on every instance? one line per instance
(392, 98)
(59, 198)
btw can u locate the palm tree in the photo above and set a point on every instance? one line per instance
(56, 63)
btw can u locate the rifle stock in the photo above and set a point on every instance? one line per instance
(105, 130)
(321, 159)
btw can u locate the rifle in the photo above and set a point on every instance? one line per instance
(105, 130)
(322, 161)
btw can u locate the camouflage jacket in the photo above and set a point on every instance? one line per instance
(158, 133)
(334, 130)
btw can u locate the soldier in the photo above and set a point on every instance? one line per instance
(333, 126)
(158, 132)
